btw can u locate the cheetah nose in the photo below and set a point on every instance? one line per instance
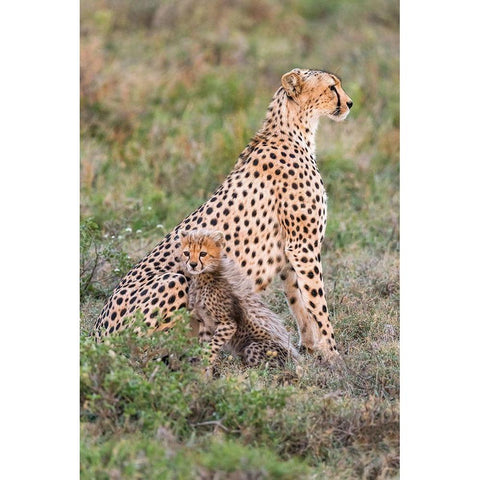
(193, 264)
(349, 104)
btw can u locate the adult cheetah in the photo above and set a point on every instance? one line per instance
(228, 311)
(272, 210)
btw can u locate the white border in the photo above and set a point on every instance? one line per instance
(439, 239)
(40, 215)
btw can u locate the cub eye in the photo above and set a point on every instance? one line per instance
(202, 254)
(332, 87)
(187, 254)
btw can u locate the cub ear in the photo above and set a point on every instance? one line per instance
(292, 83)
(218, 238)
(182, 233)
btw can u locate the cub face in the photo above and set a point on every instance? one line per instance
(201, 250)
(317, 93)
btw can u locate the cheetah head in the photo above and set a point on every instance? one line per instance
(201, 250)
(317, 93)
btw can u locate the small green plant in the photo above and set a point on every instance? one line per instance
(231, 456)
(95, 254)
(126, 380)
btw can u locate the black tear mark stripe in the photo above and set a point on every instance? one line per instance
(338, 96)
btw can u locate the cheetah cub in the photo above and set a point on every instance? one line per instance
(229, 313)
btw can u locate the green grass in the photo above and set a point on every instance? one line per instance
(171, 92)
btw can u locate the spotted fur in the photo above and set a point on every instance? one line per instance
(272, 211)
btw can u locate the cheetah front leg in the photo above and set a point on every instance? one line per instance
(303, 285)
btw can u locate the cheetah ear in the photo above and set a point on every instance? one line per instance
(218, 238)
(292, 83)
(182, 233)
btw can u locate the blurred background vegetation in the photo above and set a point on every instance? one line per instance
(171, 92)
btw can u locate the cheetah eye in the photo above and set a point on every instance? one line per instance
(187, 254)
(202, 254)
(332, 87)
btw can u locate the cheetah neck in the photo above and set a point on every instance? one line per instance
(285, 118)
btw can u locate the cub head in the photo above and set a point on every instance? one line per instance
(201, 250)
(318, 93)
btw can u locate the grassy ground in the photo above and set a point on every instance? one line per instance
(170, 94)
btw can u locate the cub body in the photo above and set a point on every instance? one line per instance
(229, 313)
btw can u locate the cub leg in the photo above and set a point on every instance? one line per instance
(223, 334)
(254, 353)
